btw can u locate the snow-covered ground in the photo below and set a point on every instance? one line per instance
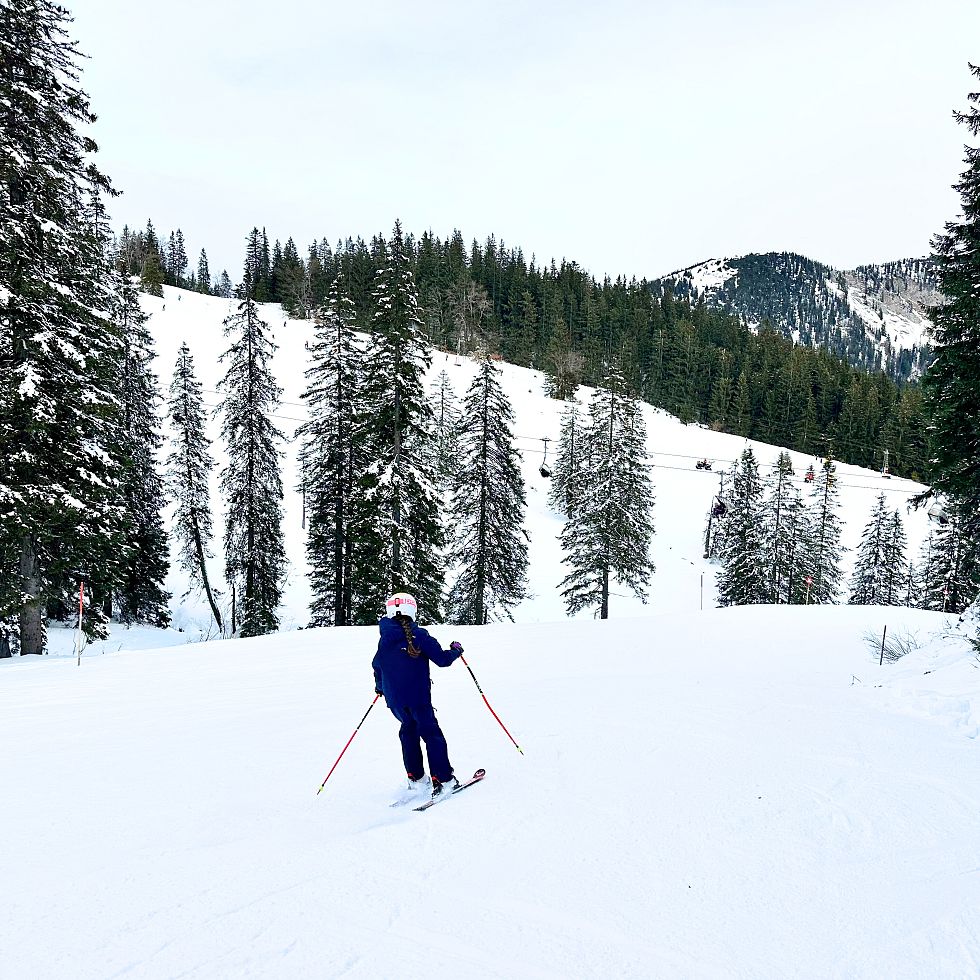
(733, 793)
(739, 793)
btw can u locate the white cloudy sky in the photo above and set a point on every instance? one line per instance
(633, 137)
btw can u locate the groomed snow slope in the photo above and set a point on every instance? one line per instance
(733, 793)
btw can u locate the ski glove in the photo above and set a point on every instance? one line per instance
(456, 647)
(379, 692)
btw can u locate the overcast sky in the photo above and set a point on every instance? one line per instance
(635, 138)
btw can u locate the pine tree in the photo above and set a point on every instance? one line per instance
(251, 482)
(871, 564)
(826, 552)
(60, 511)
(399, 528)
(952, 383)
(569, 463)
(488, 507)
(777, 533)
(290, 282)
(563, 365)
(188, 467)
(139, 593)
(895, 585)
(798, 533)
(177, 259)
(745, 576)
(950, 568)
(611, 525)
(331, 456)
(152, 271)
(446, 433)
(203, 273)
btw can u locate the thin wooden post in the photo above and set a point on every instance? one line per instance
(881, 659)
(81, 612)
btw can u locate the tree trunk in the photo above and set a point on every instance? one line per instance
(199, 548)
(31, 623)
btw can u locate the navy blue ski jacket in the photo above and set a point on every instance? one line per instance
(404, 680)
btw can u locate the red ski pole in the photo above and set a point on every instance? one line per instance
(487, 703)
(351, 739)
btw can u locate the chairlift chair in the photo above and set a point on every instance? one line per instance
(544, 469)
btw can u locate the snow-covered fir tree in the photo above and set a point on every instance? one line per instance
(610, 529)
(398, 527)
(794, 587)
(445, 444)
(188, 467)
(330, 457)
(778, 528)
(60, 510)
(824, 551)
(176, 259)
(568, 460)
(203, 282)
(950, 566)
(895, 584)
(140, 596)
(255, 558)
(745, 576)
(868, 578)
(488, 507)
(952, 383)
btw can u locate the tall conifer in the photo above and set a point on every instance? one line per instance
(609, 532)
(825, 551)
(488, 507)
(400, 527)
(59, 349)
(952, 383)
(188, 469)
(139, 594)
(331, 457)
(745, 577)
(255, 559)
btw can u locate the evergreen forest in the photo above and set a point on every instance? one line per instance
(702, 364)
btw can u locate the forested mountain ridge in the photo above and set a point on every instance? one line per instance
(699, 361)
(874, 316)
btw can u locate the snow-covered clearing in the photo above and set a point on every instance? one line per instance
(709, 793)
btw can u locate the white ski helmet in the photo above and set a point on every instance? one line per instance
(401, 602)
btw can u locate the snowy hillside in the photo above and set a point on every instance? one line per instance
(683, 493)
(873, 316)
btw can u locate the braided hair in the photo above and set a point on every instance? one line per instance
(406, 624)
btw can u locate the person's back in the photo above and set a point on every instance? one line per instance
(401, 674)
(405, 679)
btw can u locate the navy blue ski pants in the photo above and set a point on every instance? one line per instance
(420, 723)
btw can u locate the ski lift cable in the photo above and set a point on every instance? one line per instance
(649, 456)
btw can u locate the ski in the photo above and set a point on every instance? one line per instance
(477, 777)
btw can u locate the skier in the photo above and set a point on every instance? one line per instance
(401, 676)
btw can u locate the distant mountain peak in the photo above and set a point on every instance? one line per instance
(873, 316)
